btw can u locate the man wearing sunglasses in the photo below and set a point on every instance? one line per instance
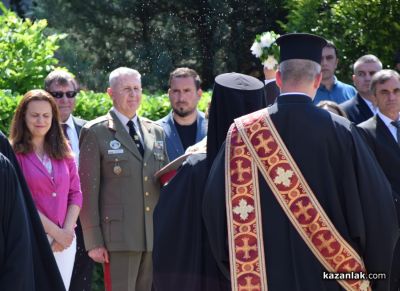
(64, 88)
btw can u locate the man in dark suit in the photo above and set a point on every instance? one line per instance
(64, 88)
(363, 105)
(382, 133)
(271, 89)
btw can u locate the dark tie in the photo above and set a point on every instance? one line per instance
(135, 136)
(397, 125)
(65, 127)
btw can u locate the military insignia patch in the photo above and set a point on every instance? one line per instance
(114, 144)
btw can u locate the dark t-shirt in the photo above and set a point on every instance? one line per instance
(187, 134)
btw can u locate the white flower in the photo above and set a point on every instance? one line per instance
(266, 49)
(256, 49)
(270, 63)
(266, 39)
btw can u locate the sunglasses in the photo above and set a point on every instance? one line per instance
(60, 94)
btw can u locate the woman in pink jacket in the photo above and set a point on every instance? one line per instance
(51, 173)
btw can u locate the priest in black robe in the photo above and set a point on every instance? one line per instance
(182, 257)
(26, 259)
(340, 170)
(16, 265)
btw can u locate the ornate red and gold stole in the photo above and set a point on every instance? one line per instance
(253, 143)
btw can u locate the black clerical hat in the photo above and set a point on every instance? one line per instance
(301, 46)
(238, 81)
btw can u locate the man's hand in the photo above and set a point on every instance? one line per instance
(269, 73)
(99, 255)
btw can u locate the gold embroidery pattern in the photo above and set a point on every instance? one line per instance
(295, 197)
(244, 218)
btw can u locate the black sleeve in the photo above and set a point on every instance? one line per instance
(214, 212)
(16, 253)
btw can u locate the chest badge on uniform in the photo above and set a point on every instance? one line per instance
(114, 144)
(116, 148)
(117, 168)
(159, 150)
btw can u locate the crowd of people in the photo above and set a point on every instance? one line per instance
(286, 184)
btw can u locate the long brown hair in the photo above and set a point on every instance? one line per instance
(55, 143)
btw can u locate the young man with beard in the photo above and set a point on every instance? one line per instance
(184, 125)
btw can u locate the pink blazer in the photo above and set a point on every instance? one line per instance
(52, 196)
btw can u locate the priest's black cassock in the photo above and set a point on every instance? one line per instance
(348, 183)
(43, 274)
(16, 265)
(182, 258)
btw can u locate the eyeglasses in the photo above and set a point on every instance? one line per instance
(60, 94)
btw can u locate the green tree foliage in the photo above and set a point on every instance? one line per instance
(155, 37)
(306, 15)
(26, 53)
(357, 27)
(368, 27)
(8, 103)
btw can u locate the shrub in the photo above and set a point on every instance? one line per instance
(26, 53)
(90, 105)
(8, 103)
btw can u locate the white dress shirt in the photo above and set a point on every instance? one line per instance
(73, 138)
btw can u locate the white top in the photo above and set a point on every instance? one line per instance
(46, 162)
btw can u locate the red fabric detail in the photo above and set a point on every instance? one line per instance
(107, 277)
(165, 178)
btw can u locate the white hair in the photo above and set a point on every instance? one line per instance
(122, 71)
(299, 70)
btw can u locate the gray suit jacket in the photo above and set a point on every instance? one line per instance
(174, 144)
(118, 184)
